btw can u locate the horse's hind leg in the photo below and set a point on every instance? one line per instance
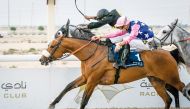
(74, 84)
(159, 86)
(175, 93)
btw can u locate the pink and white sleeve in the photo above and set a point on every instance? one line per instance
(116, 33)
(134, 33)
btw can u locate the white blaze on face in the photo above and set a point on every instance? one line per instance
(45, 53)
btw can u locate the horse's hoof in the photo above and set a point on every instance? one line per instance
(51, 107)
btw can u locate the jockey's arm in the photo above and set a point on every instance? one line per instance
(89, 17)
(100, 23)
(116, 33)
(134, 33)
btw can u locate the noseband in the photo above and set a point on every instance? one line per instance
(50, 58)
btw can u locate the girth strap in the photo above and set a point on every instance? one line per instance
(117, 75)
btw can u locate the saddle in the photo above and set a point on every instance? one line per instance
(134, 58)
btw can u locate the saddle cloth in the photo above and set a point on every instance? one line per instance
(134, 58)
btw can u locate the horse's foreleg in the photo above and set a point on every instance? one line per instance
(175, 93)
(159, 86)
(74, 84)
(87, 93)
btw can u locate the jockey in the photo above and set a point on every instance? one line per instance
(103, 17)
(138, 32)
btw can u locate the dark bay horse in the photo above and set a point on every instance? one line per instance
(159, 67)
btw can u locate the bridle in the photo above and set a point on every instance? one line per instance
(170, 34)
(65, 55)
(54, 48)
(60, 42)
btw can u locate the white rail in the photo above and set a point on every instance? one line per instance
(16, 58)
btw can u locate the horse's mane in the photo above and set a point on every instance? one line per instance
(185, 46)
(84, 34)
(78, 33)
(185, 31)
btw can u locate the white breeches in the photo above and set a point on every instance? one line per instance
(134, 44)
(139, 45)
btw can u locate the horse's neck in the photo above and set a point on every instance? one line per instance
(72, 44)
(184, 46)
(181, 33)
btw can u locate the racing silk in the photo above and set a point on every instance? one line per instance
(136, 29)
(111, 19)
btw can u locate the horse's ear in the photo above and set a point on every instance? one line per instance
(175, 22)
(67, 27)
(68, 22)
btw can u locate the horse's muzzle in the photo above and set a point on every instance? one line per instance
(44, 61)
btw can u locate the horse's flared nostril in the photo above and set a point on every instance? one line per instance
(46, 63)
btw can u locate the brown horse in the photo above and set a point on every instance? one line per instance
(159, 67)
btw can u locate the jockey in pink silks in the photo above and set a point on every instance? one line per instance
(137, 33)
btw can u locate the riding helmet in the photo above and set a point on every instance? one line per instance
(102, 13)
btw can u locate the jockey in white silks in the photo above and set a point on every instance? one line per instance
(131, 32)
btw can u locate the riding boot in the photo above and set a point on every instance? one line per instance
(108, 42)
(110, 50)
(125, 54)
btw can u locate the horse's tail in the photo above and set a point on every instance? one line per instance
(175, 53)
(186, 90)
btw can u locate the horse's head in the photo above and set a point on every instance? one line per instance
(165, 35)
(174, 34)
(55, 50)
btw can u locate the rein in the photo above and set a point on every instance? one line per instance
(72, 53)
(186, 39)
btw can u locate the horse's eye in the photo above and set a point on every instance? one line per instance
(164, 31)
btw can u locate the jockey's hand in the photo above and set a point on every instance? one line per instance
(95, 38)
(119, 46)
(87, 17)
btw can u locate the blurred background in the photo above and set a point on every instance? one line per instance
(26, 28)
(24, 23)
